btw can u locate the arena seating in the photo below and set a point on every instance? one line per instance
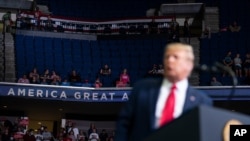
(87, 57)
(215, 49)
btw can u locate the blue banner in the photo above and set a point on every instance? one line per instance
(65, 93)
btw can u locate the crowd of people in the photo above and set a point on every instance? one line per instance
(9, 132)
(52, 78)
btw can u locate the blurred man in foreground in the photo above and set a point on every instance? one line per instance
(156, 102)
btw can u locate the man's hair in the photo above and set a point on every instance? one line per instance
(185, 47)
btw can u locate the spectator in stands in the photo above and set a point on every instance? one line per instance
(49, 24)
(44, 82)
(34, 73)
(74, 77)
(153, 71)
(5, 136)
(214, 82)
(174, 30)
(74, 129)
(160, 70)
(55, 76)
(54, 82)
(46, 76)
(6, 22)
(237, 65)
(34, 80)
(47, 136)
(186, 30)
(91, 128)
(98, 83)
(24, 79)
(103, 135)
(124, 78)
(234, 27)
(227, 61)
(39, 136)
(94, 136)
(153, 27)
(247, 65)
(105, 70)
(37, 15)
(71, 135)
(207, 32)
(82, 136)
(112, 137)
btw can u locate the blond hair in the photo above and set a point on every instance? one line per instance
(184, 47)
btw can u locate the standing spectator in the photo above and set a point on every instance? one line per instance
(207, 32)
(49, 24)
(6, 22)
(247, 65)
(74, 77)
(227, 61)
(234, 27)
(24, 79)
(37, 15)
(153, 27)
(74, 129)
(91, 128)
(94, 136)
(174, 30)
(103, 135)
(214, 82)
(153, 71)
(124, 78)
(186, 30)
(105, 70)
(46, 135)
(237, 65)
(98, 83)
(46, 76)
(34, 73)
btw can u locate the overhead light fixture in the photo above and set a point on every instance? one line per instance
(5, 106)
(39, 123)
(60, 109)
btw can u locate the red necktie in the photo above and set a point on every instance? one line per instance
(168, 111)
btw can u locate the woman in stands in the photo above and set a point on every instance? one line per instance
(55, 76)
(124, 78)
(46, 76)
(91, 128)
(98, 83)
(34, 73)
(247, 65)
(237, 65)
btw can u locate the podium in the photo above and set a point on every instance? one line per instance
(200, 124)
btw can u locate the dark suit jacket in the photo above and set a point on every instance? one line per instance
(137, 118)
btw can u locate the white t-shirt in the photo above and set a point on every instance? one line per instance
(46, 135)
(39, 137)
(93, 137)
(75, 130)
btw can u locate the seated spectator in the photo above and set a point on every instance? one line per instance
(105, 70)
(98, 83)
(234, 27)
(227, 61)
(214, 82)
(94, 136)
(72, 136)
(82, 136)
(44, 82)
(74, 77)
(237, 65)
(247, 65)
(54, 82)
(34, 80)
(24, 79)
(46, 76)
(160, 70)
(86, 83)
(153, 71)
(34, 73)
(124, 78)
(103, 135)
(153, 27)
(55, 76)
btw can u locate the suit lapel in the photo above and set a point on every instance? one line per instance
(154, 93)
(191, 99)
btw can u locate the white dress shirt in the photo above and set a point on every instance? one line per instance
(180, 96)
